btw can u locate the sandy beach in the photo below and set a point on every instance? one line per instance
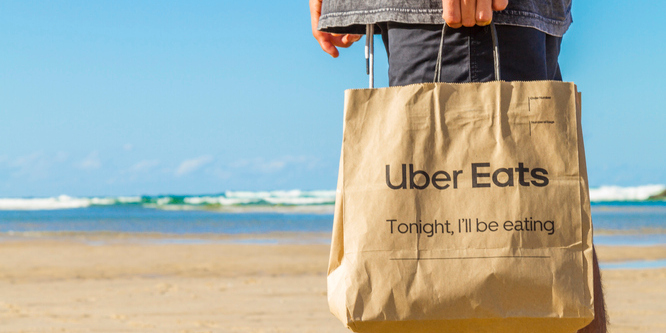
(125, 285)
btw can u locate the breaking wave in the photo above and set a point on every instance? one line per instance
(273, 199)
(636, 193)
(263, 199)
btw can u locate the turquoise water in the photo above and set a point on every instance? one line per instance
(623, 215)
(128, 218)
(616, 223)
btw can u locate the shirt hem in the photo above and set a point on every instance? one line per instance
(354, 22)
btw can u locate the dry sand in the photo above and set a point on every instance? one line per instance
(68, 285)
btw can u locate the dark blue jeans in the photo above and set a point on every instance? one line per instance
(525, 53)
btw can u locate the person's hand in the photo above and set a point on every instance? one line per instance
(468, 13)
(327, 41)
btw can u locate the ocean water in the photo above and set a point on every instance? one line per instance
(621, 216)
(133, 219)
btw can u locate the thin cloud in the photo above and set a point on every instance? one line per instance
(36, 165)
(32, 166)
(192, 165)
(90, 162)
(143, 166)
(263, 166)
(61, 157)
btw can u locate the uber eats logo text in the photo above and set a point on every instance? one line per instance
(482, 176)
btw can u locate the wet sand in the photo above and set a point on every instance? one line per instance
(124, 285)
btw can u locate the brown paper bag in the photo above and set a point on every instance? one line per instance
(462, 208)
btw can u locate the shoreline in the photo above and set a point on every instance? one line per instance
(608, 251)
(277, 237)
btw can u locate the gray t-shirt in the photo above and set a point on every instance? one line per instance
(350, 16)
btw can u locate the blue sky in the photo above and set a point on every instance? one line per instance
(189, 97)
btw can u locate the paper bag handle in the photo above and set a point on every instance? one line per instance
(370, 53)
(496, 60)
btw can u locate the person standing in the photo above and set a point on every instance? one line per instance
(529, 36)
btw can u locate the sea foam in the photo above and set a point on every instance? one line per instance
(266, 199)
(617, 193)
(60, 202)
